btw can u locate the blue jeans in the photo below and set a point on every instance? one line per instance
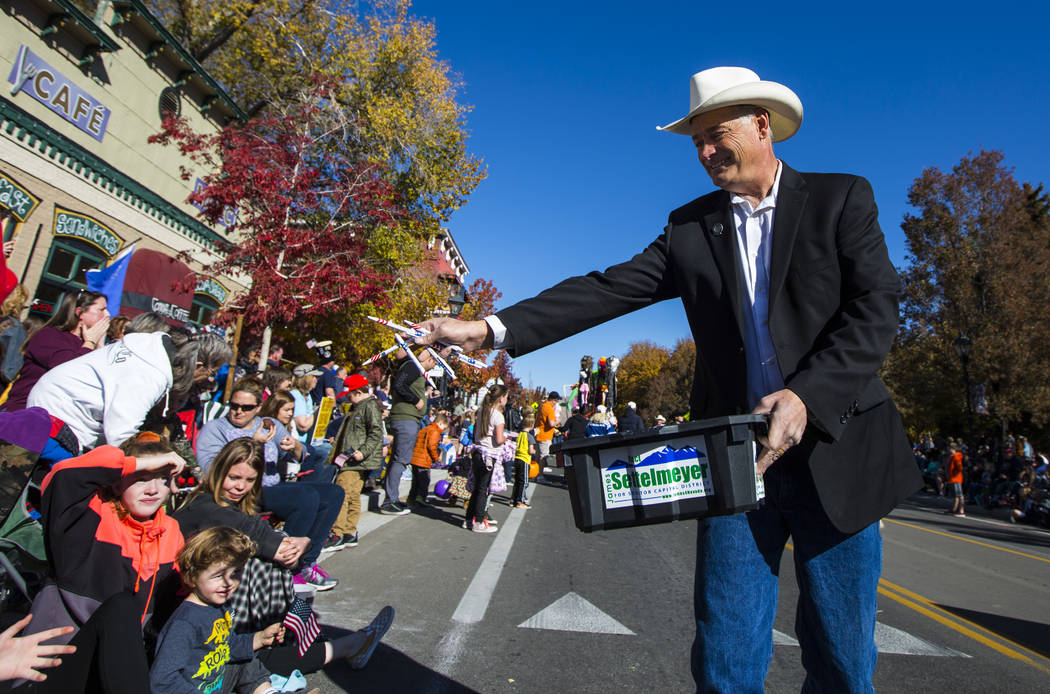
(735, 594)
(308, 510)
(315, 461)
(405, 432)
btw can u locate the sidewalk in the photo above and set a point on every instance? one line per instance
(927, 500)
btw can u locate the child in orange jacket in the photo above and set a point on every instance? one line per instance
(425, 453)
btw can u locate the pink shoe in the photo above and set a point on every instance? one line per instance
(483, 527)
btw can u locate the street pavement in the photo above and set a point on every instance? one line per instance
(541, 607)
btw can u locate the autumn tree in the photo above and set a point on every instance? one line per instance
(670, 388)
(383, 63)
(638, 366)
(388, 101)
(978, 257)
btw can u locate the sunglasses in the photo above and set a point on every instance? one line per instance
(236, 407)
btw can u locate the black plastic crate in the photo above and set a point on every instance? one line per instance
(689, 470)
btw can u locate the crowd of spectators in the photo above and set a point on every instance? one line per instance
(167, 468)
(1008, 474)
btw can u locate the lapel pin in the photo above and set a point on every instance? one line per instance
(717, 229)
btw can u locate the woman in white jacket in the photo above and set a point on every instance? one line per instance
(103, 397)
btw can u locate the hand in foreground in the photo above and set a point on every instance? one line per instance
(787, 424)
(268, 636)
(468, 334)
(9, 248)
(288, 443)
(21, 656)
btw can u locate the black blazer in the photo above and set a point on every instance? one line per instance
(832, 317)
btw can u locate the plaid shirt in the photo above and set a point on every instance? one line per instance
(263, 598)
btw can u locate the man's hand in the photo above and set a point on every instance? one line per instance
(23, 656)
(468, 334)
(787, 423)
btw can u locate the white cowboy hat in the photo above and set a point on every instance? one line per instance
(719, 87)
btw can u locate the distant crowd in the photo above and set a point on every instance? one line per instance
(1008, 475)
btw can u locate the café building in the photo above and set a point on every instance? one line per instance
(79, 183)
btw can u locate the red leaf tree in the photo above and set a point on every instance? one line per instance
(309, 200)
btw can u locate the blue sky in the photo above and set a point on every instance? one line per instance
(566, 98)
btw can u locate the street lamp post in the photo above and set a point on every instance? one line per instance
(457, 301)
(962, 345)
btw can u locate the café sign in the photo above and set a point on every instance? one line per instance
(47, 85)
(17, 199)
(79, 226)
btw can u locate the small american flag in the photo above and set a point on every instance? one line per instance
(301, 620)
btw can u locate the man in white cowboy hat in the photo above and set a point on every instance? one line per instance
(792, 301)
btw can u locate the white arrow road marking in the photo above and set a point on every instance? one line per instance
(572, 613)
(890, 640)
(782, 639)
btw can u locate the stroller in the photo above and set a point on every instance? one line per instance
(23, 558)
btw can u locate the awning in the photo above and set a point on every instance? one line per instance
(157, 282)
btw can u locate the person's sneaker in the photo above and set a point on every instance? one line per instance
(421, 503)
(521, 504)
(374, 632)
(317, 577)
(392, 509)
(334, 543)
(483, 527)
(350, 539)
(490, 520)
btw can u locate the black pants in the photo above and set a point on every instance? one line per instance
(482, 477)
(521, 473)
(420, 483)
(284, 658)
(110, 657)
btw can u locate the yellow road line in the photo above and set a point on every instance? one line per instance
(963, 626)
(966, 539)
(928, 608)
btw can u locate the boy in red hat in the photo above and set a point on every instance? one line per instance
(357, 450)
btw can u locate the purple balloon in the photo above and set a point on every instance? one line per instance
(441, 489)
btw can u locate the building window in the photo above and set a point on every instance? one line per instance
(203, 309)
(10, 224)
(64, 271)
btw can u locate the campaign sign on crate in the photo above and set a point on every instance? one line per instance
(657, 476)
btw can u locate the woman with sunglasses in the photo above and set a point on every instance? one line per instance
(77, 327)
(111, 555)
(308, 508)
